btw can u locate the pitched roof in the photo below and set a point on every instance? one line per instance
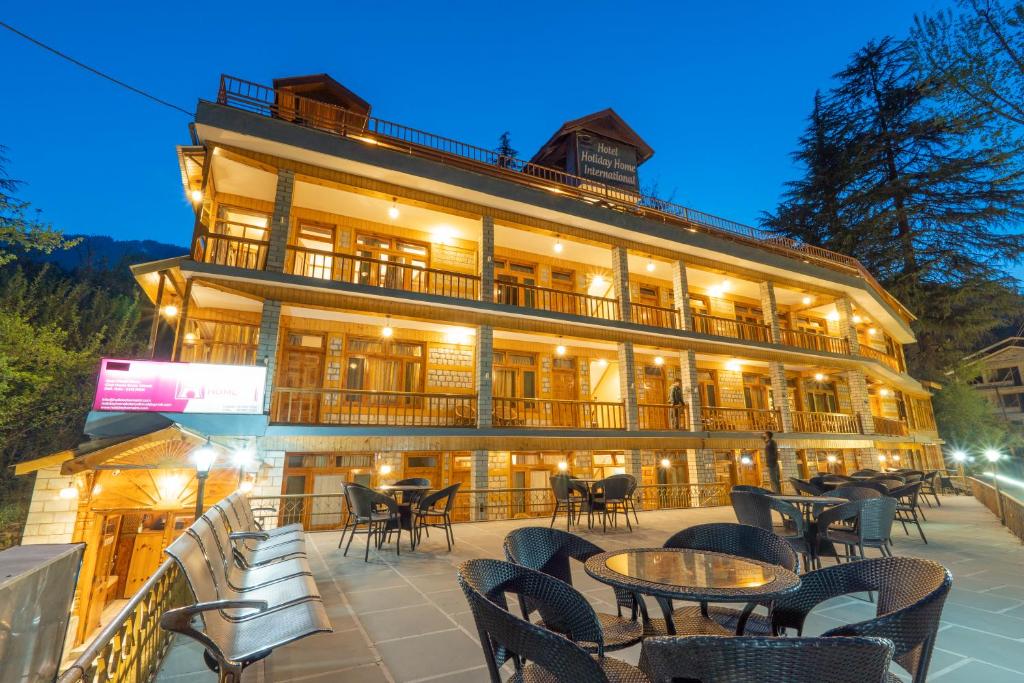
(606, 123)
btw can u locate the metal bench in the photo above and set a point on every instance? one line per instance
(248, 520)
(255, 539)
(254, 548)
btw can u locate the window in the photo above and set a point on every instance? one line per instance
(515, 374)
(383, 366)
(749, 314)
(390, 262)
(809, 324)
(242, 241)
(648, 295)
(312, 253)
(1011, 401)
(699, 305)
(706, 385)
(1009, 375)
(508, 274)
(243, 223)
(757, 392)
(821, 397)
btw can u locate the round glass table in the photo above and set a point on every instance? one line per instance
(668, 574)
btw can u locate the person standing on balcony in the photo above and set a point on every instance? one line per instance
(675, 401)
(771, 459)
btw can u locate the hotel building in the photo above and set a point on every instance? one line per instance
(424, 307)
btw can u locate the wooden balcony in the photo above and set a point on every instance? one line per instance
(654, 316)
(727, 327)
(815, 342)
(339, 267)
(376, 408)
(227, 250)
(825, 423)
(556, 300)
(535, 413)
(658, 416)
(715, 419)
(882, 357)
(889, 427)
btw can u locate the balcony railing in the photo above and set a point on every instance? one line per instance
(654, 416)
(715, 419)
(815, 342)
(549, 413)
(378, 408)
(727, 327)
(227, 250)
(889, 427)
(130, 648)
(556, 300)
(654, 316)
(211, 351)
(825, 423)
(371, 272)
(882, 357)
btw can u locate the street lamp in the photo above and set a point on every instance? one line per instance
(993, 456)
(832, 460)
(203, 459)
(959, 457)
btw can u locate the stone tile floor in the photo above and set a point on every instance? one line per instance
(403, 619)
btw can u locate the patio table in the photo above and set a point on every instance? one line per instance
(668, 574)
(404, 509)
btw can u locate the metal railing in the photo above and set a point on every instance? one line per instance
(881, 356)
(371, 272)
(363, 407)
(546, 412)
(889, 427)
(131, 647)
(267, 101)
(727, 327)
(654, 316)
(226, 250)
(815, 342)
(1012, 509)
(655, 416)
(825, 423)
(739, 420)
(556, 300)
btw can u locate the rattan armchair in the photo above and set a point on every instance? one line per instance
(908, 507)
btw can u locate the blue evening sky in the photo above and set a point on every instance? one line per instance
(719, 89)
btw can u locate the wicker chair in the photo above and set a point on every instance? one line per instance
(911, 593)
(931, 483)
(708, 659)
(366, 506)
(435, 511)
(865, 473)
(552, 656)
(855, 492)
(867, 484)
(733, 539)
(412, 497)
(805, 488)
(752, 489)
(630, 494)
(567, 499)
(549, 551)
(871, 526)
(907, 507)
(755, 509)
(608, 496)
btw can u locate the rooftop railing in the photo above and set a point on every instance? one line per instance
(285, 105)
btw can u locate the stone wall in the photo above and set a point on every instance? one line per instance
(51, 519)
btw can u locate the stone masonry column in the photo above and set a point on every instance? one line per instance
(780, 394)
(634, 464)
(269, 482)
(484, 379)
(770, 310)
(691, 389)
(620, 277)
(478, 480)
(788, 466)
(847, 329)
(280, 222)
(681, 294)
(51, 519)
(860, 400)
(485, 265)
(627, 384)
(266, 350)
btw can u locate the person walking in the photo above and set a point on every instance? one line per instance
(771, 460)
(675, 401)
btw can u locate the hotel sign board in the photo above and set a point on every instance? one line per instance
(607, 161)
(144, 386)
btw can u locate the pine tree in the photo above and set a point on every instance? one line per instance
(916, 195)
(506, 154)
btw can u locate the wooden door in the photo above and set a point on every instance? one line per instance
(104, 580)
(652, 391)
(563, 281)
(563, 385)
(302, 368)
(147, 553)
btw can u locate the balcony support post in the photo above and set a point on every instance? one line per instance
(780, 395)
(486, 259)
(479, 480)
(770, 310)
(154, 329)
(620, 277)
(681, 295)
(860, 400)
(634, 464)
(484, 378)
(280, 221)
(627, 385)
(691, 388)
(181, 328)
(847, 329)
(266, 350)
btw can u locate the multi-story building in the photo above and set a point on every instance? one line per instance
(1000, 367)
(424, 307)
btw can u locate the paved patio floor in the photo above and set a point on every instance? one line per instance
(404, 619)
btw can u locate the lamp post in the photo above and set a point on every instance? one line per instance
(959, 457)
(993, 456)
(203, 459)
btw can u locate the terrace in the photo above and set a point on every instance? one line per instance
(403, 618)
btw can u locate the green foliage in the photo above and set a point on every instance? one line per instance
(18, 230)
(915, 193)
(966, 419)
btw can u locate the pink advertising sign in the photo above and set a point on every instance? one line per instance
(153, 386)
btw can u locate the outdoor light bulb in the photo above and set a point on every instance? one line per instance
(714, 291)
(97, 490)
(196, 195)
(558, 245)
(895, 458)
(658, 360)
(243, 457)
(883, 392)
(385, 469)
(745, 460)
(992, 455)
(204, 458)
(169, 311)
(881, 457)
(856, 320)
(726, 286)
(602, 363)
(560, 350)
(733, 365)
(393, 212)
(959, 456)
(563, 466)
(189, 338)
(666, 463)
(872, 331)
(245, 487)
(832, 459)
(806, 301)
(598, 281)
(387, 331)
(650, 266)
(833, 316)
(68, 492)
(819, 377)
